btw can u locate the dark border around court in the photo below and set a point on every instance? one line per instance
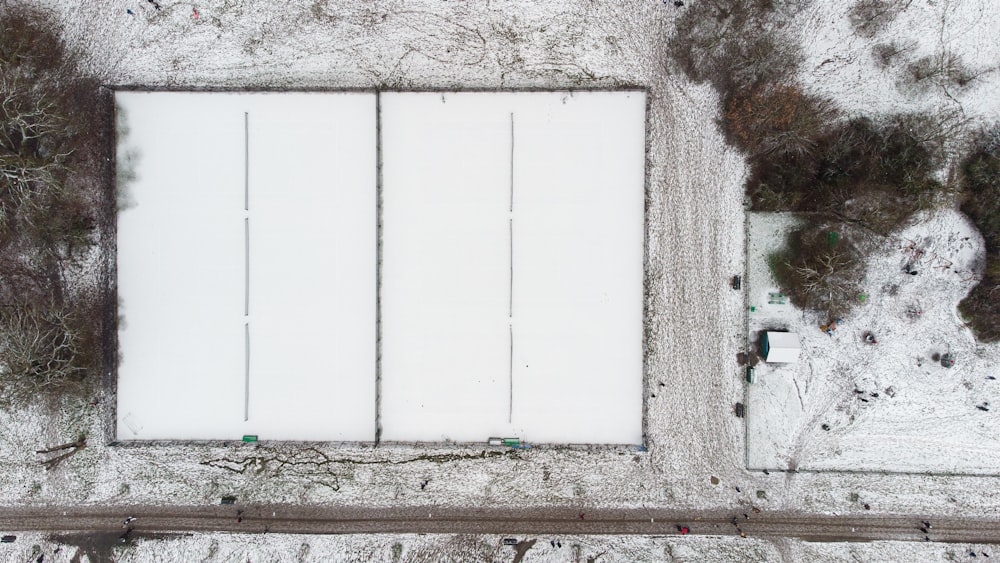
(112, 352)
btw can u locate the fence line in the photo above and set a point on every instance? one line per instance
(378, 268)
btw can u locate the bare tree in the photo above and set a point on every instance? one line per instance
(869, 17)
(945, 69)
(39, 349)
(821, 269)
(885, 54)
(823, 275)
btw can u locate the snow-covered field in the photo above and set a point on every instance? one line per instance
(694, 244)
(246, 266)
(512, 261)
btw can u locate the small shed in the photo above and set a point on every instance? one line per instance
(781, 347)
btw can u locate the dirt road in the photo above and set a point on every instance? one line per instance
(324, 520)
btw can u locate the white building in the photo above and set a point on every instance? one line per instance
(781, 347)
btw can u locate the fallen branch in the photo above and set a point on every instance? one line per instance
(73, 447)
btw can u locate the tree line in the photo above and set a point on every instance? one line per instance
(54, 176)
(856, 178)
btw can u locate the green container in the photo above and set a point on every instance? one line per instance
(511, 441)
(749, 375)
(250, 438)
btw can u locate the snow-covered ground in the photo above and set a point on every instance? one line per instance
(485, 548)
(887, 406)
(694, 244)
(841, 65)
(512, 262)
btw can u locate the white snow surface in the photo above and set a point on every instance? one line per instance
(511, 302)
(249, 238)
(695, 230)
(512, 265)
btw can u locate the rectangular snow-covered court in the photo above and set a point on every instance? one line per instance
(503, 296)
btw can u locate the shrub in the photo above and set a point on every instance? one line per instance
(981, 188)
(981, 308)
(777, 118)
(981, 202)
(885, 54)
(868, 17)
(944, 68)
(734, 44)
(874, 175)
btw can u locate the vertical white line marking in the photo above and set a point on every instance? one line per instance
(246, 364)
(510, 364)
(510, 292)
(246, 161)
(512, 162)
(246, 266)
